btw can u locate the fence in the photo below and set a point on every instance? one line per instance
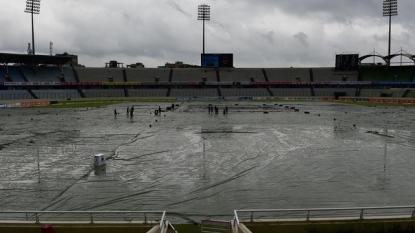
(326, 213)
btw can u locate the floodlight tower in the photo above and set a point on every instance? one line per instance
(390, 8)
(33, 7)
(204, 14)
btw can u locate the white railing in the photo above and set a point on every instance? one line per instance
(328, 213)
(89, 216)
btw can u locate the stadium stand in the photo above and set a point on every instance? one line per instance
(13, 73)
(236, 82)
(330, 74)
(235, 92)
(14, 94)
(330, 92)
(147, 74)
(99, 74)
(291, 92)
(56, 94)
(241, 75)
(43, 74)
(68, 74)
(387, 73)
(194, 75)
(373, 92)
(3, 73)
(102, 93)
(288, 74)
(398, 92)
(411, 93)
(205, 92)
(389, 92)
(159, 92)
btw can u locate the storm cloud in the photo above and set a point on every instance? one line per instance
(260, 33)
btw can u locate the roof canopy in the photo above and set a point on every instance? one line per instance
(388, 58)
(7, 58)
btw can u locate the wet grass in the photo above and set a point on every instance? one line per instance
(375, 104)
(187, 228)
(80, 104)
(103, 103)
(369, 104)
(97, 103)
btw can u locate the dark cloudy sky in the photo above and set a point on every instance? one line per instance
(260, 33)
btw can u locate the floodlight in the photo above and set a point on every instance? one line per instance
(33, 7)
(203, 14)
(390, 8)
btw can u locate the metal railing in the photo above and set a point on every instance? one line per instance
(328, 213)
(89, 216)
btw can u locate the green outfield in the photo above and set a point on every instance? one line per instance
(103, 103)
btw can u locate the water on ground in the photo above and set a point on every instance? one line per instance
(200, 165)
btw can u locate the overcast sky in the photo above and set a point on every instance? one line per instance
(260, 33)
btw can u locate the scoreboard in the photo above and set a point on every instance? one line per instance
(347, 61)
(217, 60)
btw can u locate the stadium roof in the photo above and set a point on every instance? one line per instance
(388, 58)
(7, 58)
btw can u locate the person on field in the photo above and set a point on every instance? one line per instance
(132, 111)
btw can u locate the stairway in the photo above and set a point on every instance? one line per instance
(215, 226)
(32, 94)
